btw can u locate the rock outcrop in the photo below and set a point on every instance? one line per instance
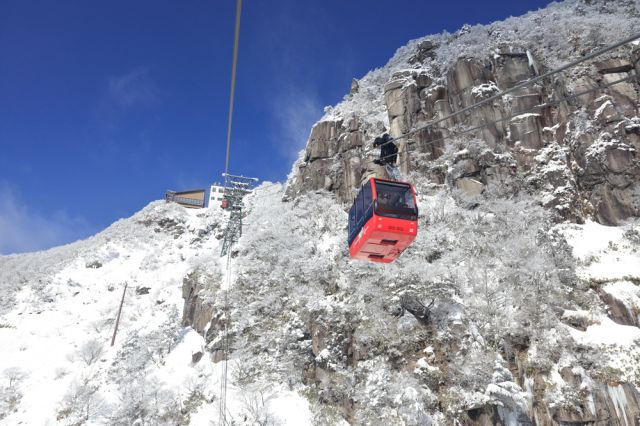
(198, 307)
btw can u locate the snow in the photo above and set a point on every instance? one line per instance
(178, 368)
(632, 124)
(54, 318)
(601, 109)
(290, 409)
(485, 90)
(526, 115)
(532, 62)
(603, 251)
(276, 405)
(607, 332)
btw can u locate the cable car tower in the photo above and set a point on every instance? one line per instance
(235, 188)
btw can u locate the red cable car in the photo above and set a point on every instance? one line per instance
(383, 220)
(224, 204)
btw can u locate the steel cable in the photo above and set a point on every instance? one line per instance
(520, 85)
(527, 111)
(225, 343)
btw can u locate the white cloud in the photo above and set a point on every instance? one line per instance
(295, 112)
(23, 230)
(133, 88)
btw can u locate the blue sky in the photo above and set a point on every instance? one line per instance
(105, 105)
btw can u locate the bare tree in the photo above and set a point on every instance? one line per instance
(82, 402)
(10, 395)
(14, 375)
(255, 409)
(415, 307)
(91, 351)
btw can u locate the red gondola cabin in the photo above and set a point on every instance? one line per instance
(383, 220)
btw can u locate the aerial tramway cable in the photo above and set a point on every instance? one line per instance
(519, 86)
(236, 39)
(222, 420)
(527, 111)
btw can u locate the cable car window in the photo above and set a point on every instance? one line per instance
(352, 222)
(395, 200)
(367, 202)
(368, 197)
(358, 205)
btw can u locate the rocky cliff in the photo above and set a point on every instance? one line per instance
(578, 157)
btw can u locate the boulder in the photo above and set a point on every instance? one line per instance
(425, 45)
(353, 123)
(462, 77)
(423, 80)
(403, 105)
(350, 140)
(606, 113)
(394, 84)
(424, 51)
(196, 357)
(355, 86)
(525, 102)
(470, 186)
(619, 159)
(394, 99)
(609, 66)
(618, 310)
(584, 183)
(625, 95)
(323, 140)
(613, 205)
(526, 129)
(512, 68)
(140, 291)
(198, 308)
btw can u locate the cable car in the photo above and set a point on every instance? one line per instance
(383, 220)
(224, 204)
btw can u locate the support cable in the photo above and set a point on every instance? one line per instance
(236, 40)
(225, 339)
(527, 111)
(520, 85)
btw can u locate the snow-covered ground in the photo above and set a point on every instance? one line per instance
(606, 252)
(57, 364)
(609, 258)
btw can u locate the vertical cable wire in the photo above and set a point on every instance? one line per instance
(225, 343)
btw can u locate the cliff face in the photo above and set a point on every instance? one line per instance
(578, 157)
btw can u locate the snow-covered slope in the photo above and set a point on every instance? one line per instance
(317, 338)
(59, 312)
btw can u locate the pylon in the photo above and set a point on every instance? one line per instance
(235, 188)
